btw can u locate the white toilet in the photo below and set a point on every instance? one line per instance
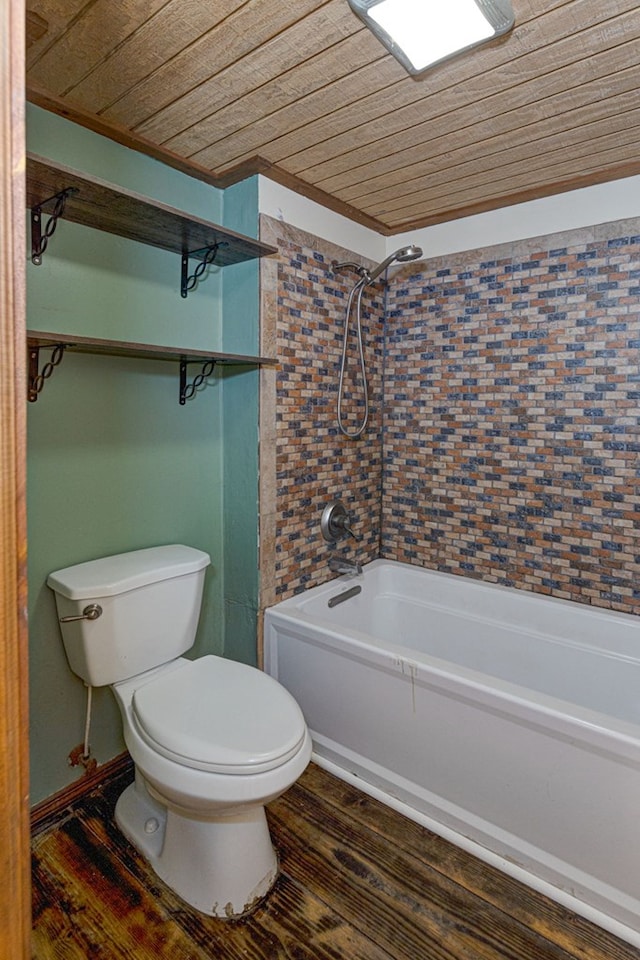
(212, 740)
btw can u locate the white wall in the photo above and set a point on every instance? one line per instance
(617, 200)
(283, 204)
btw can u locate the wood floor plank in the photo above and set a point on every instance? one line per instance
(57, 934)
(554, 922)
(357, 882)
(111, 909)
(290, 923)
(409, 905)
(310, 923)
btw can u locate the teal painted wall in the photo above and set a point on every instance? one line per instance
(240, 293)
(114, 462)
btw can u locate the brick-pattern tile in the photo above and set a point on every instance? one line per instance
(511, 423)
(315, 464)
(511, 428)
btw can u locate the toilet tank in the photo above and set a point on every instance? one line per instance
(149, 604)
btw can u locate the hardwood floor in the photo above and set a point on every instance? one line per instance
(358, 882)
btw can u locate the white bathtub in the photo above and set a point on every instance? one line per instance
(505, 721)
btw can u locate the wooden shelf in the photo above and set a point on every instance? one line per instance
(67, 194)
(96, 203)
(145, 351)
(62, 342)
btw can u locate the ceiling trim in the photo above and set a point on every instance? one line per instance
(258, 165)
(616, 172)
(248, 168)
(308, 98)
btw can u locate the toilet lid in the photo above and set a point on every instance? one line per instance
(218, 715)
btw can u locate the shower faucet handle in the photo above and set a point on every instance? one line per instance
(336, 523)
(347, 529)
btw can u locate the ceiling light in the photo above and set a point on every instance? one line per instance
(420, 33)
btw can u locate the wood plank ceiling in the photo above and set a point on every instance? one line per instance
(302, 92)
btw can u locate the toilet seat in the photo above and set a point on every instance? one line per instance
(220, 716)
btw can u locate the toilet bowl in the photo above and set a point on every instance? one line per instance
(212, 740)
(212, 743)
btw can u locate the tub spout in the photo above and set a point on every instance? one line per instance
(342, 566)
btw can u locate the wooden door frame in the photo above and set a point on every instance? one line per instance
(14, 802)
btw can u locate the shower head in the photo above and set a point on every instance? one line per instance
(403, 255)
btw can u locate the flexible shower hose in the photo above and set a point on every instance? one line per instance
(355, 294)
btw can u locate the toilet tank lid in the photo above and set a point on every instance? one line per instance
(117, 574)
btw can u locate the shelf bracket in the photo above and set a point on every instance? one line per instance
(39, 237)
(187, 390)
(37, 379)
(207, 257)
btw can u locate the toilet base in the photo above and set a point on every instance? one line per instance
(222, 866)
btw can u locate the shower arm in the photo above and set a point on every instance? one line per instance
(349, 265)
(403, 255)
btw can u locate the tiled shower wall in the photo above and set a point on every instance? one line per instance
(509, 445)
(511, 430)
(305, 462)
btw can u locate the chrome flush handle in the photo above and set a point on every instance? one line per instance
(91, 612)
